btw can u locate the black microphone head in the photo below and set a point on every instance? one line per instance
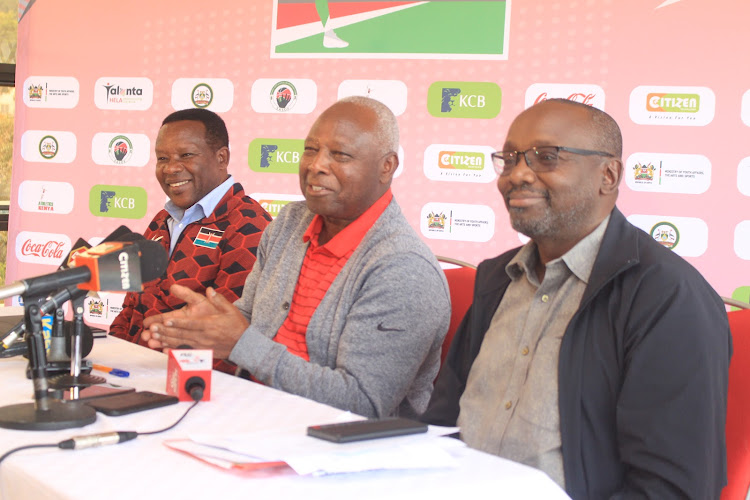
(130, 237)
(153, 259)
(117, 234)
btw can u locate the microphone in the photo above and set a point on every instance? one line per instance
(189, 374)
(80, 442)
(110, 266)
(153, 263)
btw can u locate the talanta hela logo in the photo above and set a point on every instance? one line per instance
(134, 93)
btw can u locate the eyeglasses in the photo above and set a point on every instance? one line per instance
(541, 159)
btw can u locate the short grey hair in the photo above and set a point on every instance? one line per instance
(386, 130)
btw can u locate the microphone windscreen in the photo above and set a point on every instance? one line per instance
(118, 233)
(153, 259)
(130, 237)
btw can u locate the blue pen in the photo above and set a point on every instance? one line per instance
(112, 371)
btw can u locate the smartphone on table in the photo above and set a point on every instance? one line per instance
(124, 404)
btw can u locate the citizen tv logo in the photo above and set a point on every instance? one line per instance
(464, 99)
(679, 106)
(279, 156)
(128, 202)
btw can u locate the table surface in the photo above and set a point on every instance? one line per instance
(146, 468)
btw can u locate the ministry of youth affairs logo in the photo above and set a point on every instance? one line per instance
(202, 95)
(666, 234)
(643, 172)
(35, 92)
(120, 149)
(48, 147)
(283, 96)
(436, 221)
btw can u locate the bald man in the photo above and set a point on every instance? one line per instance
(593, 352)
(345, 304)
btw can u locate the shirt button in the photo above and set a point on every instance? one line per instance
(525, 351)
(545, 298)
(285, 306)
(508, 405)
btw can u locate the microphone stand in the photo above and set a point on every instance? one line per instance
(75, 378)
(45, 413)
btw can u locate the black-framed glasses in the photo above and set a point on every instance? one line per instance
(538, 158)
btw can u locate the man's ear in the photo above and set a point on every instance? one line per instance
(222, 156)
(388, 167)
(611, 176)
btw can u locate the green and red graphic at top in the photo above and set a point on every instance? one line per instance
(436, 29)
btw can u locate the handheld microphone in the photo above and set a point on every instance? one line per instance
(189, 374)
(153, 263)
(112, 266)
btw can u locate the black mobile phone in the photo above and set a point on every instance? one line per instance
(360, 430)
(123, 404)
(94, 391)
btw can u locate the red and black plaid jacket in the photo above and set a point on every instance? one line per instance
(233, 229)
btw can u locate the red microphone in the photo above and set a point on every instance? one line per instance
(189, 374)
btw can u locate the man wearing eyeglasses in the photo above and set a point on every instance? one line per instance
(592, 352)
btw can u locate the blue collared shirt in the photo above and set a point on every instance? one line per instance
(205, 206)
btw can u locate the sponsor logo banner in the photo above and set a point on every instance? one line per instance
(680, 106)
(126, 202)
(686, 236)
(585, 93)
(216, 94)
(284, 95)
(131, 150)
(455, 221)
(464, 100)
(103, 309)
(45, 146)
(392, 93)
(742, 240)
(42, 248)
(391, 30)
(668, 173)
(274, 202)
(743, 176)
(60, 92)
(459, 163)
(131, 93)
(277, 156)
(745, 108)
(46, 196)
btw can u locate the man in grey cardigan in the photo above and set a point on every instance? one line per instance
(345, 304)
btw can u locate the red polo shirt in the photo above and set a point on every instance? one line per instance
(319, 268)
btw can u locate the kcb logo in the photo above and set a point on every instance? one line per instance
(280, 156)
(127, 202)
(464, 99)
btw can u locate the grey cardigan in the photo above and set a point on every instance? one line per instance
(374, 341)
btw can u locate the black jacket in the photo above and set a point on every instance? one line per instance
(642, 374)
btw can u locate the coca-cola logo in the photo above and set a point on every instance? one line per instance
(575, 96)
(47, 250)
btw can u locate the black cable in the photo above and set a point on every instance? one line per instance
(173, 425)
(27, 447)
(80, 442)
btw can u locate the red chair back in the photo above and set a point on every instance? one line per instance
(738, 409)
(461, 285)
